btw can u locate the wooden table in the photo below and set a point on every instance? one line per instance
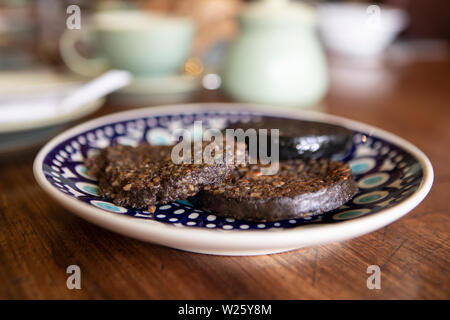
(39, 239)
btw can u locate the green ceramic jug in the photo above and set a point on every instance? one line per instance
(277, 58)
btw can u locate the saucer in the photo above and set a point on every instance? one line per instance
(172, 88)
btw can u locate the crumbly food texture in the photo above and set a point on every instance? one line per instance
(299, 189)
(142, 176)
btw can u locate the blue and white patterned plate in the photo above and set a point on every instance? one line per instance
(393, 177)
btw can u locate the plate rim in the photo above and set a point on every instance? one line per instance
(236, 241)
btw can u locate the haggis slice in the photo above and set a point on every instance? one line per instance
(299, 189)
(299, 139)
(141, 176)
(129, 175)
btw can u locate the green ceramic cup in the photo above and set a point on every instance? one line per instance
(144, 44)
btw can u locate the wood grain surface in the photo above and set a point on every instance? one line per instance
(39, 239)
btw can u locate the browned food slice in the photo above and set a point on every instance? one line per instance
(300, 139)
(300, 188)
(129, 176)
(140, 176)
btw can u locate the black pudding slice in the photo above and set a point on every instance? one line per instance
(140, 177)
(301, 139)
(299, 189)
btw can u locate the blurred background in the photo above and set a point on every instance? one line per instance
(293, 54)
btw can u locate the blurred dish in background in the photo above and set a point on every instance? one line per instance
(40, 132)
(154, 47)
(34, 105)
(31, 125)
(359, 30)
(145, 44)
(24, 93)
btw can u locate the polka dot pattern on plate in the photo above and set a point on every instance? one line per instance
(380, 186)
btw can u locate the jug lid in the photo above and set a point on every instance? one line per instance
(279, 11)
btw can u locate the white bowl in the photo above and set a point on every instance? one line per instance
(359, 30)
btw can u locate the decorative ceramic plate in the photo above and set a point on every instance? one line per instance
(393, 177)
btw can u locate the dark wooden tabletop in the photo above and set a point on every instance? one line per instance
(39, 239)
